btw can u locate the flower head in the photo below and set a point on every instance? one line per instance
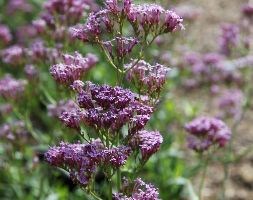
(139, 190)
(12, 55)
(31, 72)
(148, 142)
(56, 110)
(80, 159)
(18, 5)
(110, 108)
(154, 18)
(230, 103)
(14, 131)
(205, 132)
(5, 34)
(11, 88)
(120, 46)
(247, 10)
(229, 38)
(150, 78)
(72, 68)
(116, 156)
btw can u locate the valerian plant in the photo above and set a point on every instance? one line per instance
(111, 120)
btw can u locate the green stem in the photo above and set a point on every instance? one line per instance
(202, 181)
(109, 58)
(118, 170)
(109, 174)
(95, 196)
(110, 186)
(224, 182)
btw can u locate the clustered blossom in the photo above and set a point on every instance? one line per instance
(14, 131)
(65, 12)
(31, 72)
(5, 35)
(209, 68)
(247, 10)
(72, 68)
(39, 25)
(116, 156)
(148, 141)
(25, 33)
(188, 12)
(11, 88)
(81, 160)
(55, 110)
(150, 17)
(36, 50)
(229, 38)
(12, 55)
(150, 78)
(96, 24)
(117, 7)
(110, 108)
(206, 132)
(72, 118)
(138, 190)
(18, 5)
(5, 109)
(230, 103)
(120, 46)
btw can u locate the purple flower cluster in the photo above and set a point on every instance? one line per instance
(11, 88)
(148, 142)
(120, 46)
(72, 118)
(5, 109)
(36, 50)
(12, 55)
(14, 131)
(81, 160)
(65, 12)
(96, 24)
(188, 12)
(145, 19)
(110, 108)
(25, 33)
(229, 38)
(72, 68)
(206, 132)
(247, 10)
(154, 18)
(31, 72)
(116, 156)
(138, 190)
(230, 103)
(208, 69)
(5, 35)
(56, 110)
(150, 78)
(18, 5)
(39, 25)
(117, 7)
